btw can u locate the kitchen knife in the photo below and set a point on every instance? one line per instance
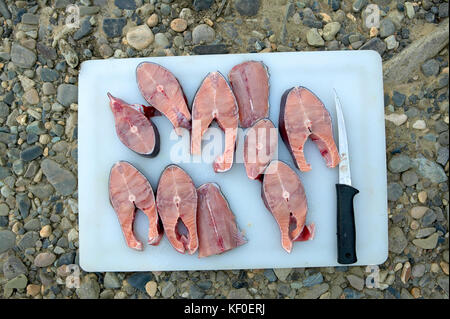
(345, 192)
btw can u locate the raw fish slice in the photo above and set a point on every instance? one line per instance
(250, 83)
(303, 115)
(215, 101)
(176, 201)
(128, 190)
(217, 229)
(260, 147)
(284, 196)
(135, 129)
(162, 90)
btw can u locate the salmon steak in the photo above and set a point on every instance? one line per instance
(250, 83)
(176, 202)
(215, 100)
(303, 115)
(130, 190)
(162, 90)
(134, 127)
(284, 196)
(217, 229)
(260, 147)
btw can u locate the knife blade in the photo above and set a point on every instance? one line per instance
(345, 193)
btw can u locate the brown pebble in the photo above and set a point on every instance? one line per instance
(422, 197)
(33, 290)
(46, 231)
(444, 267)
(415, 292)
(406, 272)
(178, 25)
(151, 288)
(153, 20)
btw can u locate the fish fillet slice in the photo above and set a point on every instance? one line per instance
(284, 196)
(162, 90)
(215, 101)
(250, 83)
(303, 115)
(134, 127)
(176, 201)
(217, 229)
(129, 190)
(260, 147)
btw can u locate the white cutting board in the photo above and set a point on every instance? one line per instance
(357, 77)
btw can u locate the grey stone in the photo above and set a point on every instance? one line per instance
(67, 94)
(270, 275)
(19, 282)
(28, 240)
(49, 75)
(89, 289)
(387, 28)
(430, 170)
(427, 243)
(113, 27)
(282, 273)
(31, 153)
(139, 280)
(395, 191)
(62, 179)
(401, 67)
(430, 67)
(425, 232)
(29, 18)
(36, 127)
(41, 190)
(14, 267)
(203, 33)
(330, 30)
(22, 57)
(23, 204)
(7, 240)
(397, 240)
(110, 281)
(410, 178)
(195, 292)
(241, 293)
(443, 283)
(125, 4)
(356, 282)
(313, 292)
(400, 163)
(4, 209)
(313, 38)
(313, 280)
(168, 290)
(443, 13)
(247, 7)
(7, 138)
(442, 155)
(284, 289)
(202, 4)
(418, 270)
(375, 44)
(161, 41)
(429, 218)
(4, 11)
(358, 5)
(32, 224)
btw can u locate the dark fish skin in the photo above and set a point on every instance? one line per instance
(281, 125)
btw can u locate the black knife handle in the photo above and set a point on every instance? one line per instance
(346, 235)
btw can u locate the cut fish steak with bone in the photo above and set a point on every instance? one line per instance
(162, 90)
(130, 190)
(216, 223)
(134, 127)
(260, 147)
(176, 201)
(284, 196)
(303, 115)
(250, 83)
(214, 100)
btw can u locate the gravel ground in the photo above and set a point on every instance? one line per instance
(39, 64)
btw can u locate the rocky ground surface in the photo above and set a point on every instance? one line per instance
(40, 55)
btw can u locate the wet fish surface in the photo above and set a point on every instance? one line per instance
(217, 228)
(250, 83)
(284, 196)
(130, 190)
(303, 115)
(215, 100)
(162, 90)
(176, 202)
(260, 147)
(134, 127)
